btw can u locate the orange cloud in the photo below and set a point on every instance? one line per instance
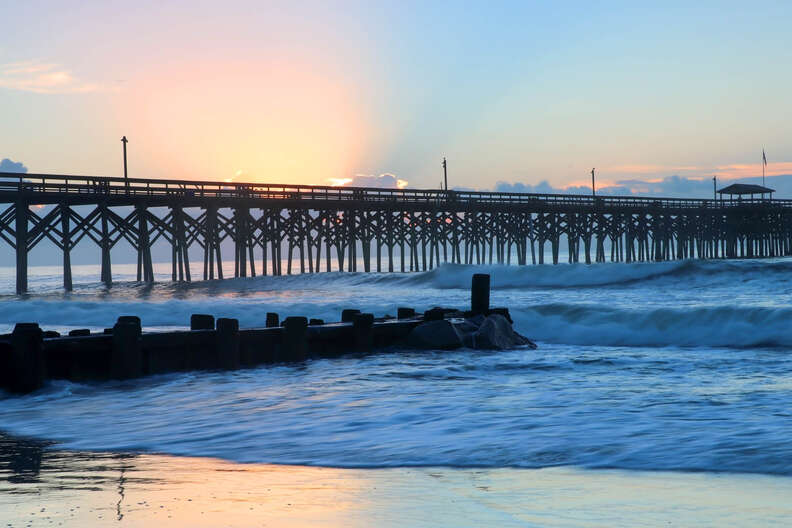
(383, 181)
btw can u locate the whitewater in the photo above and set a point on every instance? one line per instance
(655, 366)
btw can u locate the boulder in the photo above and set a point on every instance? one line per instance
(466, 330)
(434, 335)
(496, 333)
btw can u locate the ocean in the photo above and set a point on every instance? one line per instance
(680, 366)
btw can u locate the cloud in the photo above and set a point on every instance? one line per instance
(44, 78)
(6, 165)
(732, 171)
(670, 187)
(383, 181)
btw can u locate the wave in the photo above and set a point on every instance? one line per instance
(596, 275)
(444, 277)
(465, 409)
(712, 326)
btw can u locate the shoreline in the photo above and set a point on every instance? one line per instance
(41, 485)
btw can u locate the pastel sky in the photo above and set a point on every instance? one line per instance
(307, 92)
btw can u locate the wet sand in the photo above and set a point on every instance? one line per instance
(41, 486)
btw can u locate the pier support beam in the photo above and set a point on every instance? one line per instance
(65, 213)
(106, 244)
(144, 247)
(21, 247)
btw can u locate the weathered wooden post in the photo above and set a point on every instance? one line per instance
(126, 358)
(26, 367)
(480, 293)
(405, 313)
(295, 338)
(348, 315)
(202, 322)
(362, 327)
(227, 343)
(272, 320)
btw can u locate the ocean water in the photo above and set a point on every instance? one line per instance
(652, 366)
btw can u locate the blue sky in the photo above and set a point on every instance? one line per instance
(517, 92)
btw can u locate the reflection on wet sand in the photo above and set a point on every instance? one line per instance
(41, 486)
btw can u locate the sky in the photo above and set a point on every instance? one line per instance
(659, 97)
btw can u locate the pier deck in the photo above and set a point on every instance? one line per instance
(381, 229)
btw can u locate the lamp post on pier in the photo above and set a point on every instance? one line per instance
(445, 173)
(124, 140)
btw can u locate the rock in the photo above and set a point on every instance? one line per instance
(466, 330)
(496, 333)
(434, 335)
(476, 320)
(501, 311)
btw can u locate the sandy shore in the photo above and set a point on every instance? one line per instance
(40, 486)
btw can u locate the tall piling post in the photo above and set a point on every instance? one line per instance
(480, 293)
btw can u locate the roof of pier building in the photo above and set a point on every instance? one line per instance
(744, 188)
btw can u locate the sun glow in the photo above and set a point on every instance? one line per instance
(284, 120)
(339, 182)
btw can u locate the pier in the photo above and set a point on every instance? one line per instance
(311, 227)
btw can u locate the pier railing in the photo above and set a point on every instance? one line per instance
(47, 185)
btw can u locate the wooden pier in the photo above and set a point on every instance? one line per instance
(386, 230)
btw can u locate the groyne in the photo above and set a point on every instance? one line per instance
(30, 356)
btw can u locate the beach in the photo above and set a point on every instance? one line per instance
(42, 486)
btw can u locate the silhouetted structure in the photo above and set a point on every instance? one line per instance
(744, 189)
(422, 227)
